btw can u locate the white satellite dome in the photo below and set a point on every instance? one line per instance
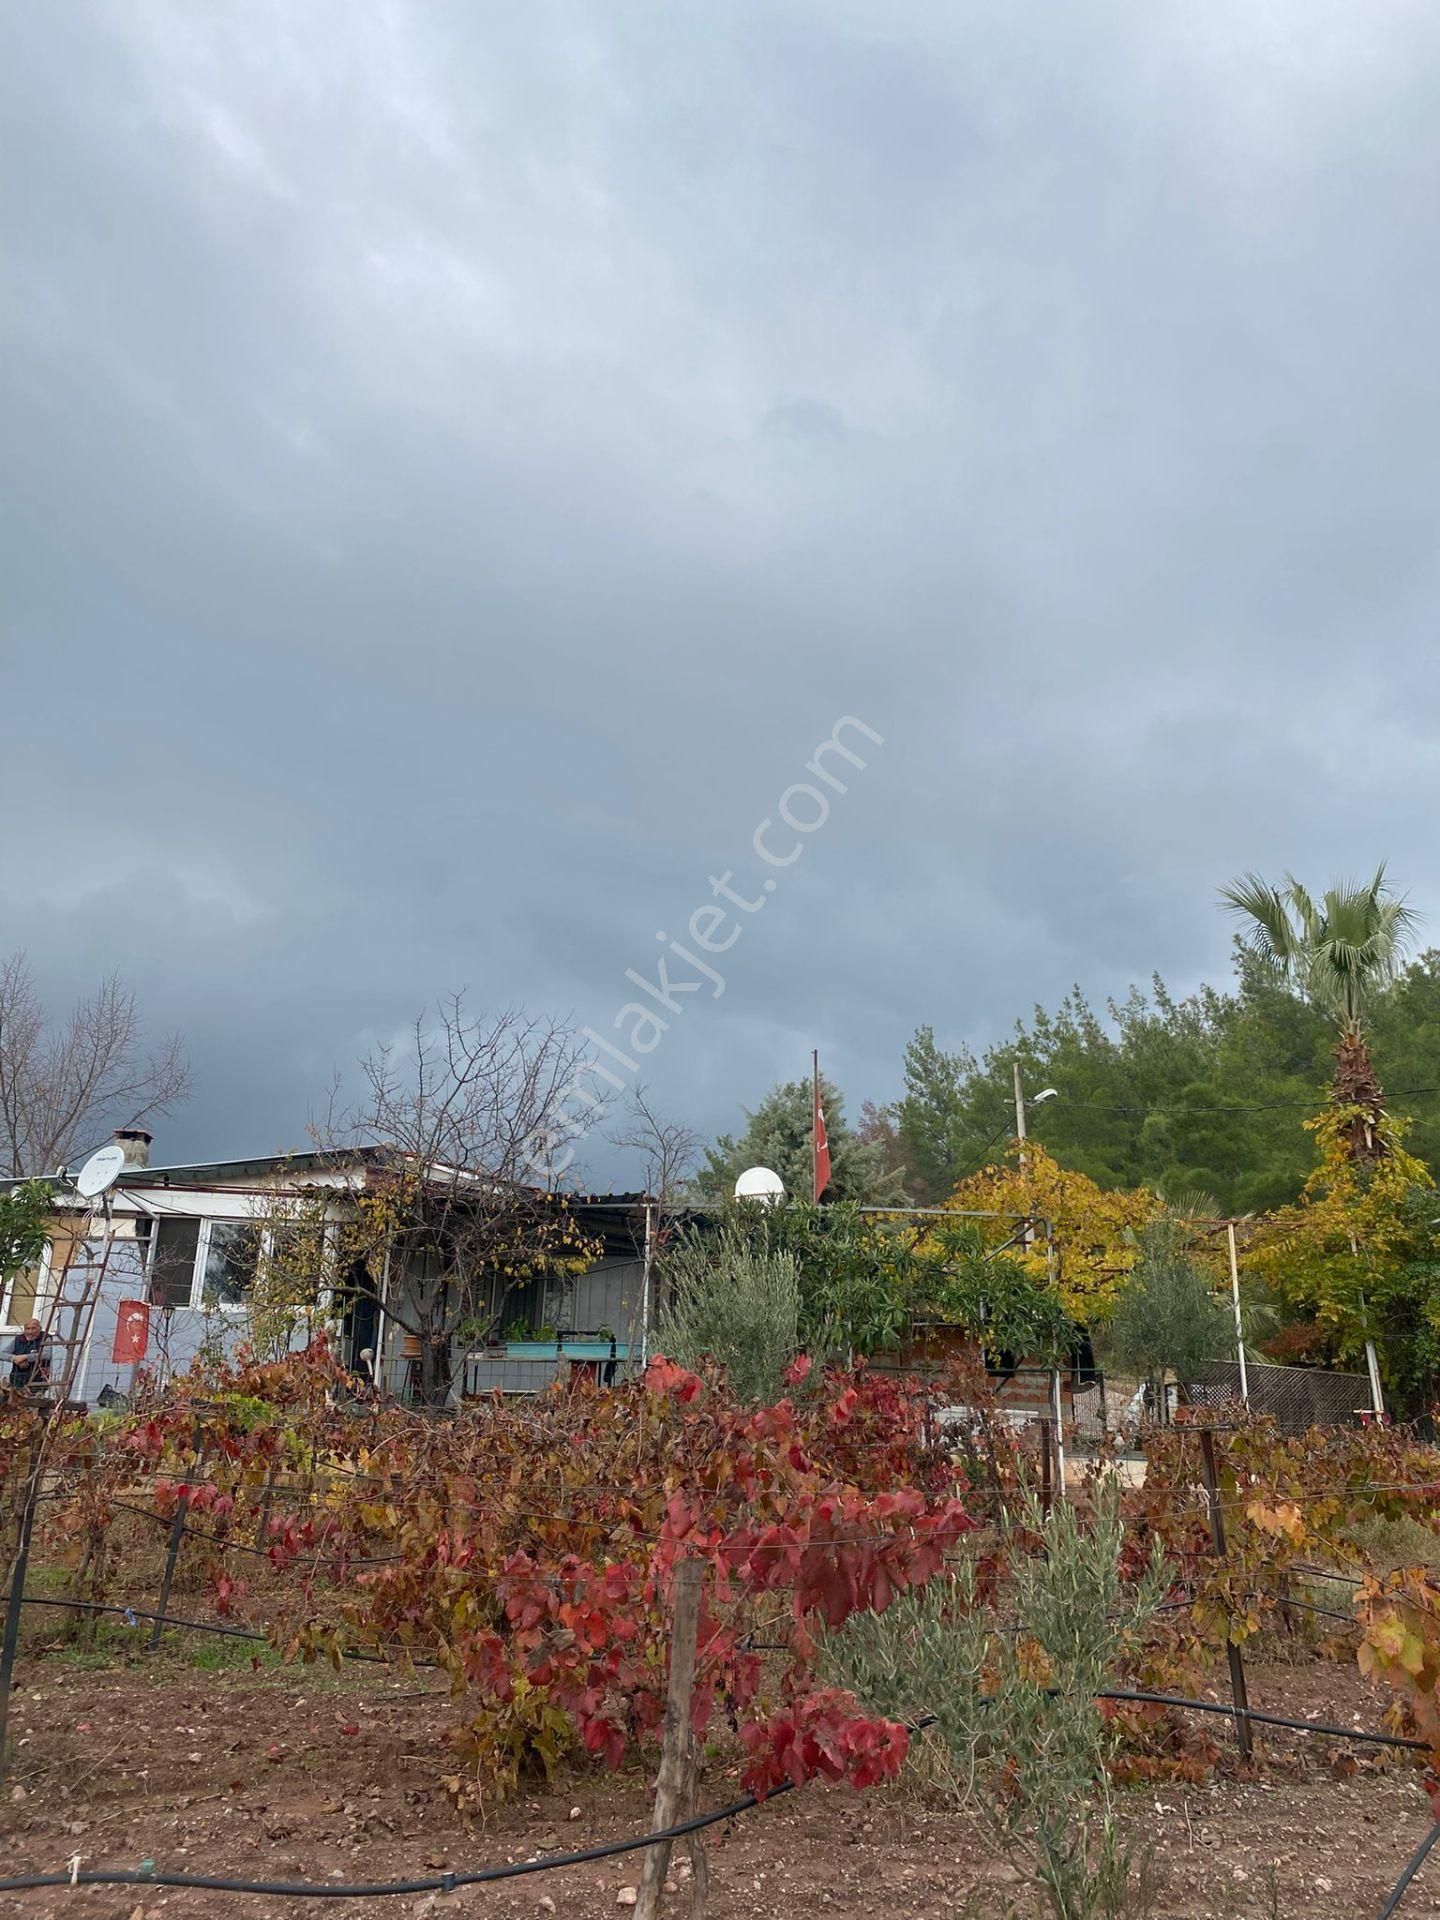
(760, 1183)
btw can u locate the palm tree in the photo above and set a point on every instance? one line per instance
(1341, 953)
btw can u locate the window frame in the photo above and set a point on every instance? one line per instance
(265, 1244)
(198, 1302)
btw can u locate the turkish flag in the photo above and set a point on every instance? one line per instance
(132, 1333)
(821, 1141)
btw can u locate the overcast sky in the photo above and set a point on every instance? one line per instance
(459, 461)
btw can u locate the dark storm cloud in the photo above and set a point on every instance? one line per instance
(459, 462)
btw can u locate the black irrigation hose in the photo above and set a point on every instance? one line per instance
(1412, 1867)
(432, 1883)
(1326, 1727)
(136, 1614)
(447, 1882)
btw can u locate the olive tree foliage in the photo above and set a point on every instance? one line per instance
(732, 1304)
(1170, 1316)
(1016, 1731)
(66, 1083)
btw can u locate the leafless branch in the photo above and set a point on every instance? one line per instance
(461, 1113)
(668, 1149)
(63, 1086)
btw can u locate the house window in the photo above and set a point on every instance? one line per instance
(231, 1260)
(172, 1262)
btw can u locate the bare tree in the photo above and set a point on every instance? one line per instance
(466, 1118)
(63, 1086)
(668, 1151)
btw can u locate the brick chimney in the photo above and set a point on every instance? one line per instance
(136, 1143)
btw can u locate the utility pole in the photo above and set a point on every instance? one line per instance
(1048, 1093)
(1235, 1302)
(1372, 1364)
(1020, 1136)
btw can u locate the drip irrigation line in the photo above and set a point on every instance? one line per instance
(1412, 1867)
(549, 1863)
(1326, 1728)
(430, 1883)
(1306, 1606)
(1323, 1573)
(228, 1545)
(137, 1614)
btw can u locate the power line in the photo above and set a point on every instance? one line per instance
(1236, 1106)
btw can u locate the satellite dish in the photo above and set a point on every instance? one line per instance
(100, 1171)
(759, 1183)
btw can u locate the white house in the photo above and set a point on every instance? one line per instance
(189, 1239)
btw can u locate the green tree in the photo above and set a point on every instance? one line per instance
(1343, 953)
(1207, 1091)
(934, 1120)
(24, 1227)
(1404, 1034)
(998, 1297)
(855, 1271)
(732, 1304)
(778, 1135)
(1169, 1316)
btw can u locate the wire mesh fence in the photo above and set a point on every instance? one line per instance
(1295, 1398)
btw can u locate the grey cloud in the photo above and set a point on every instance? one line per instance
(459, 463)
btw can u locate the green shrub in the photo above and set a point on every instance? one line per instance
(734, 1307)
(1402, 1541)
(1018, 1734)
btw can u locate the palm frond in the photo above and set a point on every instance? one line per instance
(1271, 935)
(1341, 950)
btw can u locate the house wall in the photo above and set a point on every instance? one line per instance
(84, 1310)
(608, 1295)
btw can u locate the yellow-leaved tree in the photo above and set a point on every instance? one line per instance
(1353, 1244)
(1092, 1244)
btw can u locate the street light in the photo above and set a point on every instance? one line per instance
(1050, 1093)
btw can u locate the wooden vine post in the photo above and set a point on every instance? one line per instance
(673, 1791)
(177, 1536)
(1238, 1694)
(19, 1567)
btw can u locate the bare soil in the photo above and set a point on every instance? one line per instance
(301, 1775)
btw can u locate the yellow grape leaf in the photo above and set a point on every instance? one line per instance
(1386, 1639)
(1412, 1653)
(1283, 1521)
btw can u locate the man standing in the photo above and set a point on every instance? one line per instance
(29, 1362)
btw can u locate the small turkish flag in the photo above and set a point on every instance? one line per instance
(132, 1333)
(821, 1140)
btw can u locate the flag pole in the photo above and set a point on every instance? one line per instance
(814, 1136)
